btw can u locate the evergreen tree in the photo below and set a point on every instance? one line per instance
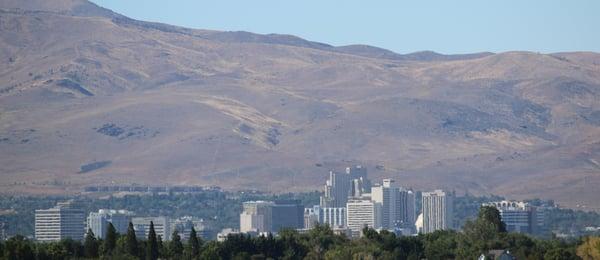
(131, 244)
(491, 215)
(90, 245)
(194, 243)
(175, 246)
(110, 243)
(161, 248)
(152, 244)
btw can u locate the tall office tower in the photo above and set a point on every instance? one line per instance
(62, 221)
(359, 174)
(184, 226)
(337, 189)
(406, 209)
(517, 215)
(256, 216)
(98, 221)
(142, 227)
(287, 214)
(362, 213)
(386, 196)
(438, 210)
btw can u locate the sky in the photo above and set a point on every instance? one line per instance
(445, 26)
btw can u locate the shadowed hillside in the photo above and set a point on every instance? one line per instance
(81, 86)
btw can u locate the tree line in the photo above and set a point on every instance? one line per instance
(486, 232)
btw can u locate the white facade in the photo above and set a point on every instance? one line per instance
(98, 221)
(334, 217)
(60, 222)
(161, 227)
(256, 216)
(438, 210)
(361, 213)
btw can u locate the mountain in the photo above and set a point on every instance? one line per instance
(88, 96)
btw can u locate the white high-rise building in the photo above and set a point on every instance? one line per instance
(438, 210)
(518, 216)
(98, 221)
(256, 216)
(362, 213)
(141, 226)
(60, 222)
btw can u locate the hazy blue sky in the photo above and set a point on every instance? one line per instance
(443, 26)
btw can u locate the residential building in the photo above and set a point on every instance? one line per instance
(141, 225)
(518, 216)
(62, 221)
(256, 216)
(438, 210)
(362, 213)
(98, 221)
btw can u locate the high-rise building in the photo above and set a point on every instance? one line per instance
(352, 183)
(397, 205)
(406, 208)
(361, 213)
(184, 226)
(518, 216)
(98, 221)
(287, 214)
(141, 225)
(337, 190)
(386, 196)
(256, 216)
(361, 184)
(438, 210)
(62, 221)
(334, 217)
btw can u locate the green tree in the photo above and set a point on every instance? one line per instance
(152, 243)
(110, 243)
(491, 215)
(162, 253)
(90, 245)
(19, 247)
(131, 243)
(559, 254)
(175, 246)
(194, 243)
